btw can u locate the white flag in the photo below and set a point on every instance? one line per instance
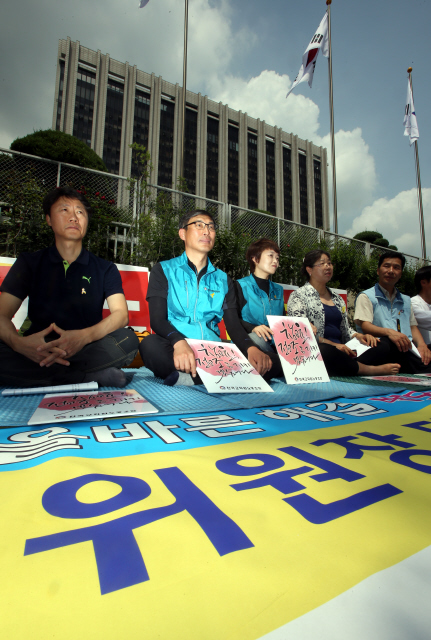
(410, 123)
(318, 41)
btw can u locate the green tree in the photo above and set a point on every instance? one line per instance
(153, 234)
(375, 237)
(59, 146)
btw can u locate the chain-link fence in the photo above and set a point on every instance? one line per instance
(40, 174)
(186, 202)
(46, 174)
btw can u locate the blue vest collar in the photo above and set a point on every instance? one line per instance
(380, 293)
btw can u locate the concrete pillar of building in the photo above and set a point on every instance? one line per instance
(71, 87)
(325, 194)
(65, 104)
(128, 120)
(151, 133)
(261, 165)
(57, 86)
(223, 152)
(295, 180)
(155, 105)
(311, 202)
(102, 82)
(201, 146)
(177, 171)
(124, 118)
(279, 185)
(96, 101)
(242, 161)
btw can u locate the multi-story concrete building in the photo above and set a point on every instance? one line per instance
(229, 155)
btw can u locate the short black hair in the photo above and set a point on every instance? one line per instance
(424, 273)
(309, 260)
(391, 254)
(65, 192)
(191, 214)
(256, 249)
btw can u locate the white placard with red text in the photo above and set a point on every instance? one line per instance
(298, 350)
(224, 369)
(90, 405)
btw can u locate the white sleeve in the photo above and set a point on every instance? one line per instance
(422, 315)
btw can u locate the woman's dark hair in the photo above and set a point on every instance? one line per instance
(64, 192)
(310, 259)
(256, 249)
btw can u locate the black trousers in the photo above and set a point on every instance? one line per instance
(158, 356)
(117, 349)
(408, 361)
(340, 364)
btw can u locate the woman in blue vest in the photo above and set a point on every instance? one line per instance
(259, 297)
(327, 314)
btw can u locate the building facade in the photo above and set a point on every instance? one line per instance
(229, 156)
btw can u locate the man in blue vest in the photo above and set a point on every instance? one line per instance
(384, 312)
(187, 298)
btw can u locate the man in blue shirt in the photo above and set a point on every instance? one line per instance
(386, 313)
(187, 298)
(68, 341)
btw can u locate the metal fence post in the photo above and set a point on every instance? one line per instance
(58, 174)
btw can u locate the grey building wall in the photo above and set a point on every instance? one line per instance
(78, 59)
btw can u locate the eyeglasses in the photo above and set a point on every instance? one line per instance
(323, 264)
(201, 225)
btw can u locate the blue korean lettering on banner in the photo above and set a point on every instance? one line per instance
(23, 448)
(119, 560)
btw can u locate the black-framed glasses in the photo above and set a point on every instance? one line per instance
(200, 224)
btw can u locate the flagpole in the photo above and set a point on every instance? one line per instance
(418, 180)
(183, 109)
(331, 114)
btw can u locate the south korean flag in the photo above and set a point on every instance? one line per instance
(410, 123)
(318, 41)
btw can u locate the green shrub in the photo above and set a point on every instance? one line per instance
(59, 146)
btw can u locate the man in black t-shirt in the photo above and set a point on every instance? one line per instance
(68, 341)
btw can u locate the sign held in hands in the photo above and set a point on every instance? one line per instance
(224, 369)
(298, 350)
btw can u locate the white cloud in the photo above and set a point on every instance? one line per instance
(264, 97)
(356, 174)
(397, 219)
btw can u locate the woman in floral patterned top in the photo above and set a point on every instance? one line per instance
(326, 312)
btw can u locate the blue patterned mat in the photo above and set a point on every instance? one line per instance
(16, 411)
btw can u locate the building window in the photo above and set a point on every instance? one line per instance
(287, 183)
(60, 95)
(141, 123)
(166, 143)
(190, 141)
(212, 158)
(318, 194)
(303, 197)
(252, 170)
(270, 176)
(232, 165)
(84, 103)
(113, 124)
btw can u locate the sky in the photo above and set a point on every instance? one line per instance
(246, 53)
